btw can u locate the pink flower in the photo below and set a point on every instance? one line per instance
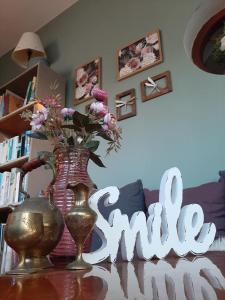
(67, 112)
(100, 95)
(105, 127)
(110, 121)
(99, 109)
(61, 138)
(39, 118)
(47, 101)
(82, 77)
(134, 63)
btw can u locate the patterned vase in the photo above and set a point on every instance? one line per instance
(71, 168)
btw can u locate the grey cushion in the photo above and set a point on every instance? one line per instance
(131, 199)
(210, 196)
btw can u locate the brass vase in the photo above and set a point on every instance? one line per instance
(23, 232)
(80, 221)
(52, 222)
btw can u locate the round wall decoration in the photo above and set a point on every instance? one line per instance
(204, 38)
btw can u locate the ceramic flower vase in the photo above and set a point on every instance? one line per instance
(71, 168)
(80, 221)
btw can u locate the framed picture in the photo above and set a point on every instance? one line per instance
(126, 105)
(139, 55)
(156, 86)
(87, 77)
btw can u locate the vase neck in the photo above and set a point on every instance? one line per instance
(78, 157)
(80, 194)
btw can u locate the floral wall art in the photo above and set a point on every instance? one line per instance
(140, 55)
(87, 77)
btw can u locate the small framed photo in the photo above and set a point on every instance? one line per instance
(139, 55)
(87, 77)
(156, 86)
(126, 105)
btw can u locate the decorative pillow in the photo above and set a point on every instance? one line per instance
(210, 196)
(131, 199)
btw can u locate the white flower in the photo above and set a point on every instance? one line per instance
(67, 112)
(125, 70)
(39, 118)
(152, 38)
(79, 140)
(148, 59)
(222, 45)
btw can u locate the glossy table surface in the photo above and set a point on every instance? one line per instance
(192, 278)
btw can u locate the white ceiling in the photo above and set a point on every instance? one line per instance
(18, 16)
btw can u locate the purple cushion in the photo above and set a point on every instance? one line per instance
(131, 199)
(210, 196)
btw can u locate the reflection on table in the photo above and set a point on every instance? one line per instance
(199, 278)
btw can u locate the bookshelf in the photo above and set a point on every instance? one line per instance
(12, 127)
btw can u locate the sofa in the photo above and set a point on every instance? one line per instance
(133, 197)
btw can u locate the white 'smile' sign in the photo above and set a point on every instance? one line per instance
(168, 226)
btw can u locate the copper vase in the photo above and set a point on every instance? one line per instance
(71, 168)
(80, 221)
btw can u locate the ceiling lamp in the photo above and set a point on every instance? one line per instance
(29, 50)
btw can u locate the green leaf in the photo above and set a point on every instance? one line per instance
(38, 135)
(70, 126)
(95, 158)
(93, 127)
(70, 141)
(79, 119)
(105, 136)
(92, 145)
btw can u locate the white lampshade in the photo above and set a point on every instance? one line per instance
(205, 11)
(28, 47)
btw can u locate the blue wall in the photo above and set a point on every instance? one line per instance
(185, 128)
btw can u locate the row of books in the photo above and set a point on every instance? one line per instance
(9, 187)
(14, 148)
(9, 101)
(7, 255)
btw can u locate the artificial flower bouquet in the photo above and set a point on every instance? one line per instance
(68, 127)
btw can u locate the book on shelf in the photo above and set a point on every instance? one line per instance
(9, 187)
(30, 93)
(9, 102)
(7, 255)
(14, 148)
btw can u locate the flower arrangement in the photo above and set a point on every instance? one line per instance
(219, 48)
(67, 127)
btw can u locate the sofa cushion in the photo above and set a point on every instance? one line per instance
(210, 196)
(131, 199)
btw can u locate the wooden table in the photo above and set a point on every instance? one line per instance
(191, 278)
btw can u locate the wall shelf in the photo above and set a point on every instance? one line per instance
(12, 124)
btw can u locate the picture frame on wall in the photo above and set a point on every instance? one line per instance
(87, 77)
(156, 86)
(139, 55)
(126, 105)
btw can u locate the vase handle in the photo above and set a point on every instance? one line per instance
(31, 165)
